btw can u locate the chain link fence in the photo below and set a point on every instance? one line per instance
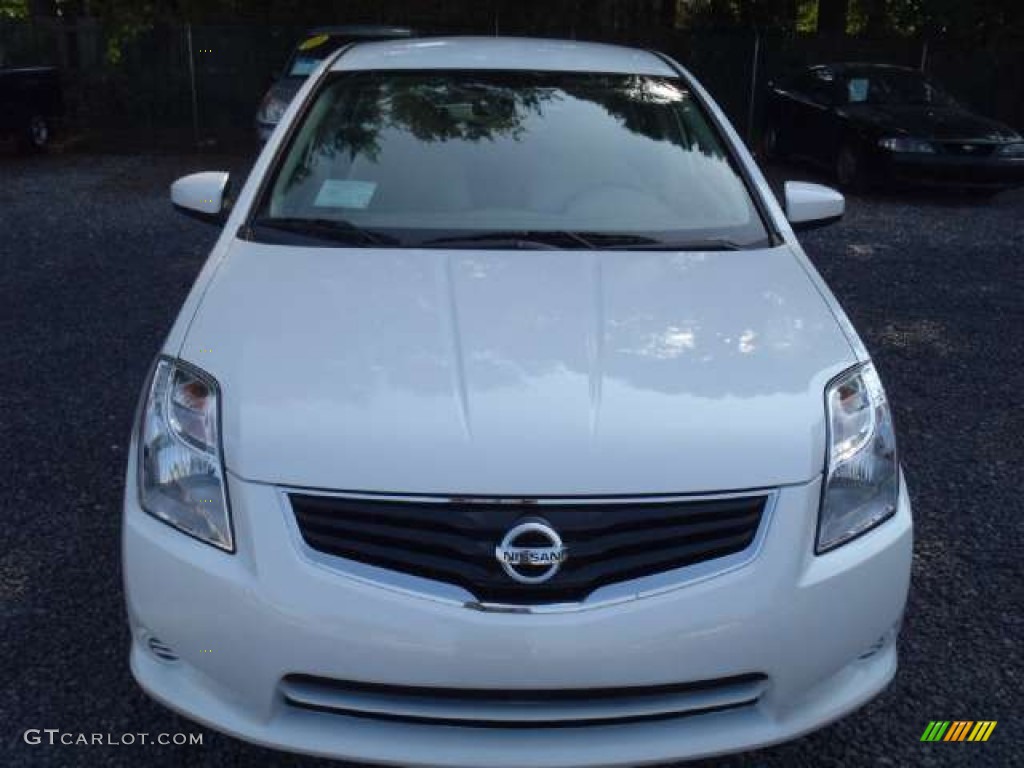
(182, 85)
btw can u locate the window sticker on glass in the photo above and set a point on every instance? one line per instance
(345, 193)
(857, 88)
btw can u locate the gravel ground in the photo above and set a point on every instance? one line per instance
(95, 265)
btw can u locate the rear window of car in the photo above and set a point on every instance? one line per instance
(418, 154)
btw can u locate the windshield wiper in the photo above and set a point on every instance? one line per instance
(515, 240)
(544, 239)
(710, 244)
(594, 241)
(326, 229)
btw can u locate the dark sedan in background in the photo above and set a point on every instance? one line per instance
(318, 44)
(877, 123)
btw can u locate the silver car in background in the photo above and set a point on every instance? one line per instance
(317, 45)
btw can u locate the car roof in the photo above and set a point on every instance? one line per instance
(502, 53)
(362, 30)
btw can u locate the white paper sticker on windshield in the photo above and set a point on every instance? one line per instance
(858, 89)
(345, 193)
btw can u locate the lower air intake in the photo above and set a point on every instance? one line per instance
(519, 708)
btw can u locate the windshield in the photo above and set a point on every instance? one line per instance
(424, 156)
(895, 87)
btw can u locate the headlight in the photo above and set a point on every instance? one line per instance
(902, 144)
(862, 476)
(181, 475)
(272, 109)
(1015, 149)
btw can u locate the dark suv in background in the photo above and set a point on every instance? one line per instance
(318, 44)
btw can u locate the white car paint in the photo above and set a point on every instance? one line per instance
(506, 53)
(602, 372)
(486, 373)
(806, 202)
(202, 192)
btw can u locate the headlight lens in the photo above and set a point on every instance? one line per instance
(862, 477)
(272, 109)
(181, 475)
(903, 144)
(1016, 149)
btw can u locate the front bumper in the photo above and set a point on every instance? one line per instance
(822, 629)
(945, 170)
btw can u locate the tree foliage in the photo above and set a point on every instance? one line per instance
(13, 9)
(973, 20)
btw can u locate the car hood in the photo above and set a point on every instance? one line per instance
(518, 372)
(927, 122)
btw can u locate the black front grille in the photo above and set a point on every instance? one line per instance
(454, 541)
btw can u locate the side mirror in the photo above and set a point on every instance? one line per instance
(809, 206)
(203, 196)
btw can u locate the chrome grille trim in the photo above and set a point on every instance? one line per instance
(450, 594)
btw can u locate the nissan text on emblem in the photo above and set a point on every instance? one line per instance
(531, 552)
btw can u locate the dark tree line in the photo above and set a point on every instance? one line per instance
(959, 19)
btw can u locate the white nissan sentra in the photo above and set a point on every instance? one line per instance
(508, 424)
